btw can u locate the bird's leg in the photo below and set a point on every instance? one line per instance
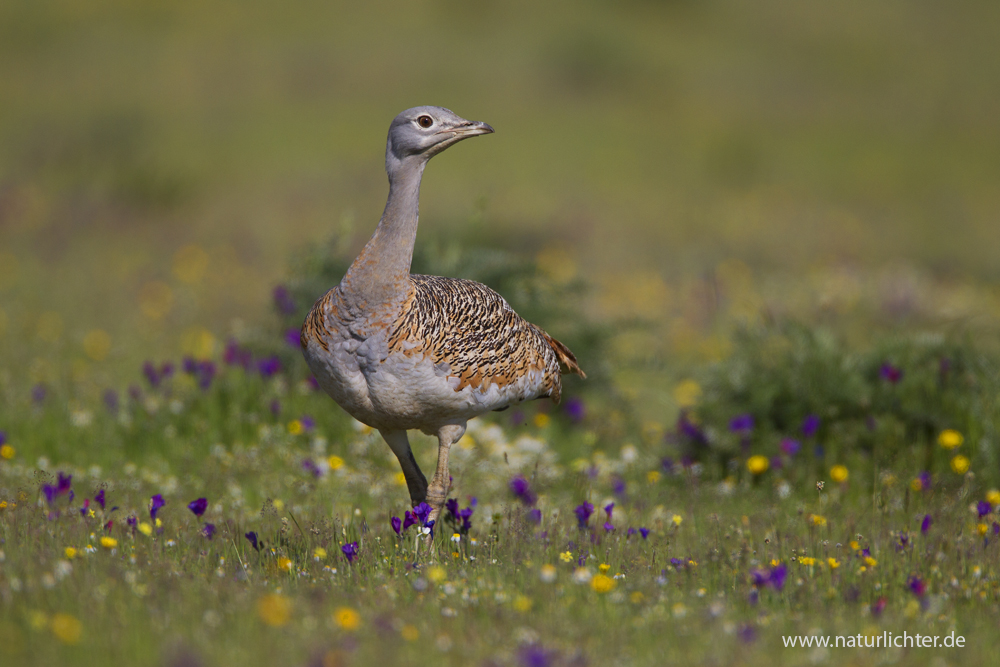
(416, 483)
(437, 491)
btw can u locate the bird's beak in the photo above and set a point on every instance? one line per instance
(469, 128)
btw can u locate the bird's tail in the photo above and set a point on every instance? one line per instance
(566, 358)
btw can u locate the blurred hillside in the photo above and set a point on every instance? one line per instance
(697, 162)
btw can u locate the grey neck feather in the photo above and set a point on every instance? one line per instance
(378, 275)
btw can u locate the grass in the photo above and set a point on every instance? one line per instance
(81, 580)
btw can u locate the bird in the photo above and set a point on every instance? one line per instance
(403, 352)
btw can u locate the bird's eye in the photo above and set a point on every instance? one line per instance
(425, 121)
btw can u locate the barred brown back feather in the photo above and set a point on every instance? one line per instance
(473, 330)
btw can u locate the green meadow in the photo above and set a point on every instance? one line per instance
(768, 231)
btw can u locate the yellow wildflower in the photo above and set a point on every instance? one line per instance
(336, 463)
(566, 557)
(66, 628)
(775, 562)
(522, 603)
(854, 545)
(602, 583)
(7, 452)
(653, 476)
(838, 473)
(409, 633)
(807, 561)
(916, 485)
(400, 479)
(436, 574)
(319, 553)
(295, 427)
(547, 573)
(982, 529)
(687, 393)
(285, 564)
(109, 542)
(541, 420)
(636, 597)
(347, 618)
(950, 439)
(145, 528)
(274, 609)
(3, 504)
(758, 464)
(677, 519)
(960, 464)
(833, 563)
(70, 553)
(870, 562)
(817, 519)
(603, 567)
(993, 497)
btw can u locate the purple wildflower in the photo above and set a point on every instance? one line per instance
(293, 337)
(890, 373)
(996, 528)
(690, 430)
(111, 400)
(64, 484)
(268, 367)
(155, 503)
(983, 508)
(86, 506)
(609, 527)
(925, 525)
(408, 519)
(452, 506)
(422, 512)
(252, 537)
(608, 509)
(350, 550)
(677, 563)
(3, 438)
(206, 373)
(208, 530)
(132, 521)
(198, 506)
(152, 377)
(521, 490)
(466, 516)
(189, 365)
(533, 655)
(618, 485)
(925, 480)
(38, 393)
(575, 409)
(777, 576)
(166, 370)
(283, 300)
(917, 586)
(583, 513)
(236, 355)
(308, 423)
(275, 408)
(397, 524)
(747, 633)
(644, 532)
(810, 425)
(99, 498)
(535, 516)
(309, 466)
(790, 447)
(742, 424)
(516, 418)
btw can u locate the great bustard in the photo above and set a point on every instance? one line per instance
(400, 351)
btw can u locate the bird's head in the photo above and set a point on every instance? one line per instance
(423, 132)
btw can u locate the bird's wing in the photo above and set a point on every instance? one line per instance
(473, 330)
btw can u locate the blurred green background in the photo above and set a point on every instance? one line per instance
(699, 164)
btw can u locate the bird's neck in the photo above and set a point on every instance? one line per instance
(379, 274)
